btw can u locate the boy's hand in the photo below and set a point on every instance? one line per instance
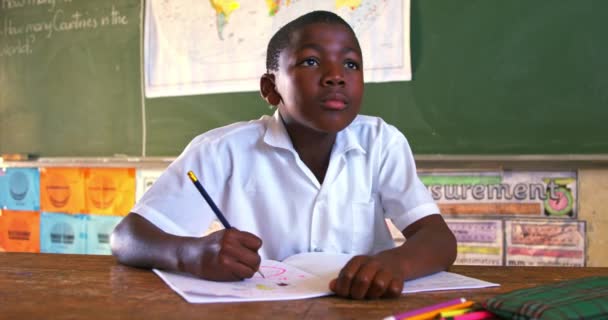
(225, 255)
(369, 277)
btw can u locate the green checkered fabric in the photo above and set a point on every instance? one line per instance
(585, 298)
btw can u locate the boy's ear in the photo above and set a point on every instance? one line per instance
(268, 89)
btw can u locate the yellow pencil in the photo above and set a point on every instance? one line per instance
(434, 313)
(452, 313)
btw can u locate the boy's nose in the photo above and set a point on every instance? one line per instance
(333, 77)
(336, 80)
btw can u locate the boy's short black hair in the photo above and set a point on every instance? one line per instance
(280, 40)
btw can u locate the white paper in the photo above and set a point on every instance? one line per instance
(445, 281)
(300, 276)
(281, 282)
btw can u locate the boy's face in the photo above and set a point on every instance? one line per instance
(320, 78)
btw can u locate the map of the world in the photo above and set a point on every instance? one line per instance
(198, 47)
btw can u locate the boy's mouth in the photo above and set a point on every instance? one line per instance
(334, 104)
(334, 101)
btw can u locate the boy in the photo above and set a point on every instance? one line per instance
(313, 177)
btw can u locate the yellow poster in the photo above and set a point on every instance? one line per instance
(62, 190)
(109, 191)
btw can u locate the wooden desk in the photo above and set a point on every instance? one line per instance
(45, 286)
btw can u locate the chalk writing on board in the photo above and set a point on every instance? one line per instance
(21, 36)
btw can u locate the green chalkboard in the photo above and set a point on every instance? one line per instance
(489, 77)
(69, 77)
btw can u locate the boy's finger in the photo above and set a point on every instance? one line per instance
(243, 255)
(332, 285)
(379, 285)
(246, 239)
(250, 258)
(347, 274)
(394, 289)
(363, 279)
(242, 271)
(252, 242)
(232, 263)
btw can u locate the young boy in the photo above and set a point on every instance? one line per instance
(313, 177)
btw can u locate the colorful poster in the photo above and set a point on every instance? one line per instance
(62, 190)
(201, 47)
(504, 193)
(98, 231)
(3, 189)
(19, 231)
(109, 191)
(62, 233)
(545, 243)
(21, 188)
(480, 242)
(144, 180)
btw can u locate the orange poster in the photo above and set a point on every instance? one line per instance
(20, 231)
(109, 191)
(62, 190)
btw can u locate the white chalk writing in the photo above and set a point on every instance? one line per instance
(20, 36)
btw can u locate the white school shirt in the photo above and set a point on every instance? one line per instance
(258, 181)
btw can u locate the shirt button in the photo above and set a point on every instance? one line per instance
(318, 250)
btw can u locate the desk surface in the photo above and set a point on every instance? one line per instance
(40, 286)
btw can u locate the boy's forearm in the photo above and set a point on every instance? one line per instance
(137, 242)
(429, 248)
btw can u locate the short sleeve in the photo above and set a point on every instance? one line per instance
(173, 203)
(404, 197)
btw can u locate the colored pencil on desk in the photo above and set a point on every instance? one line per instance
(210, 202)
(453, 313)
(434, 307)
(435, 313)
(477, 315)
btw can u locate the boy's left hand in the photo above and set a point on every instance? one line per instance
(369, 277)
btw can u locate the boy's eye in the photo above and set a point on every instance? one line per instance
(309, 62)
(351, 65)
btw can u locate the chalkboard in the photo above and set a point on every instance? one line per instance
(69, 77)
(489, 77)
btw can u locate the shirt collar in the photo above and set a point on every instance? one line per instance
(276, 136)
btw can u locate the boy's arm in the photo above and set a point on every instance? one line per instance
(430, 247)
(225, 255)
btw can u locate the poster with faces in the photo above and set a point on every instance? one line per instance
(62, 233)
(98, 231)
(20, 188)
(109, 191)
(62, 190)
(19, 231)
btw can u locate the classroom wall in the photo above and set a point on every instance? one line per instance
(83, 226)
(593, 187)
(489, 77)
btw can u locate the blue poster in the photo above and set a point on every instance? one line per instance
(21, 189)
(3, 189)
(99, 229)
(62, 233)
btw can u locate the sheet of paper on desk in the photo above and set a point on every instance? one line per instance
(300, 276)
(327, 266)
(445, 281)
(281, 282)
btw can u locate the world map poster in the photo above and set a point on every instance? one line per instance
(216, 46)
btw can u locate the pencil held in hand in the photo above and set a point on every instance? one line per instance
(210, 202)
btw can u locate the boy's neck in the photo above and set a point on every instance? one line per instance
(313, 147)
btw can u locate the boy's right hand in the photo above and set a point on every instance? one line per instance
(225, 255)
